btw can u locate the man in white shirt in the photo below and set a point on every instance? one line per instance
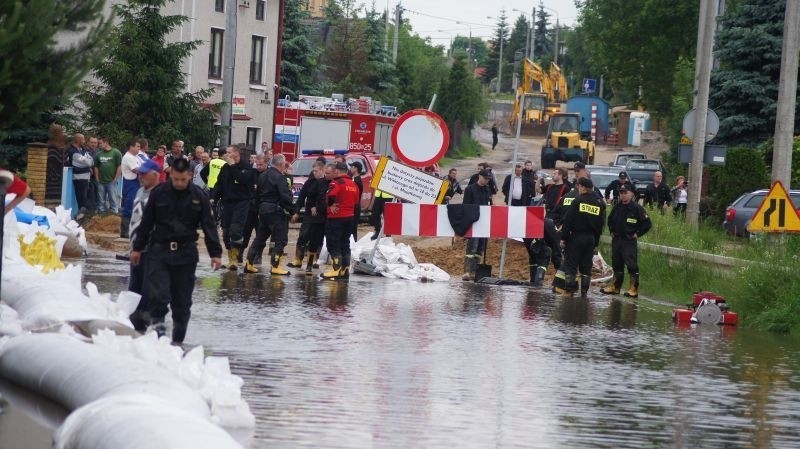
(131, 162)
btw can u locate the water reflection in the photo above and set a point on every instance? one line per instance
(376, 362)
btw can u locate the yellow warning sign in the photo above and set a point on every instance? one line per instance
(776, 213)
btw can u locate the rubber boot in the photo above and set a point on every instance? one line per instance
(538, 278)
(316, 260)
(160, 328)
(614, 285)
(249, 267)
(633, 288)
(532, 270)
(179, 332)
(125, 227)
(344, 271)
(276, 266)
(233, 259)
(559, 282)
(333, 273)
(585, 282)
(299, 253)
(310, 264)
(570, 284)
(470, 267)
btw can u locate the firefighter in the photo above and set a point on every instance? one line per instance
(580, 235)
(312, 230)
(342, 198)
(627, 222)
(479, 194)
(274, 209)
(234, 191)
(174, 212)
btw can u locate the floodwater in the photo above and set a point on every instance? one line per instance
(387, 363)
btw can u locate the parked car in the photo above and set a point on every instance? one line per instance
(741, 211)
(622, 158)
(640, 173)
(602, 175)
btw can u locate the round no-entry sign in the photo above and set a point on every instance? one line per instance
(420, 138)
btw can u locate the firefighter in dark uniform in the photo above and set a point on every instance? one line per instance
(168, 230)
(355, 171)
(234, 191)
(580, 235)
(627, 222)
(342, 198)
(478, 193)
(274, 209)
(312, 230)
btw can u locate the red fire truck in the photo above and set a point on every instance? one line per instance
(317, 123)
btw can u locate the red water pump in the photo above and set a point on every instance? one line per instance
(706, 308)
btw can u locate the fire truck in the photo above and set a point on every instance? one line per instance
(315, 123)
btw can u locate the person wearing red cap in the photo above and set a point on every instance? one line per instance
(15, 185)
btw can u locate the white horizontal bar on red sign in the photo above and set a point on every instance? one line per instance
(430, 220)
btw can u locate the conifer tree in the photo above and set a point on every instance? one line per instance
(300, 57)
(141, 89)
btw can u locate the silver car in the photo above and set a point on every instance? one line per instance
(741, 211)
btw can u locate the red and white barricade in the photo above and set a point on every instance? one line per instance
(430, 220)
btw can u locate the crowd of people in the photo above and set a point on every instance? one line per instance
(575, 218)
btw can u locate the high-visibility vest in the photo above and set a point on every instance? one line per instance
(214, 167)
(382, 194)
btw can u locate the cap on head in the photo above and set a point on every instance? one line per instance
(357, 165)
(625, 187)
(485, 173)
(579, 165)
(623, 174)
(586, 182)
(148, 166)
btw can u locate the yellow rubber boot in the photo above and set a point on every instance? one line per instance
(333, 273)
(249, 267)
(233, 259)
(614, 285)
(298, 258)
(276, 266)
(633, 288)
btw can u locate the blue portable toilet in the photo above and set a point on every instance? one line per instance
(637, 124)
(583, 105)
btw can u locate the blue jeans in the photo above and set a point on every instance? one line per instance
(108, 199)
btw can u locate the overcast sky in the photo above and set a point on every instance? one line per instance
(427, 17)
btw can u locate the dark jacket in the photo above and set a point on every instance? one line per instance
(586, 214)
(527, 190)
(558, 212)
(625, 220)
(461, 217)
(453, 188)
(174, 216)
(492, 183)
(316, 191)
(235, 183)
(475, 194)
(554, 193)
(272, 189)
(657, 196)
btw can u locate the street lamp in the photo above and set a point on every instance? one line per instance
(555, 49)
(450, 48)
(530, 39)
(500, 60)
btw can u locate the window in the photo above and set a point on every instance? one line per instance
(252, 139)
(261, 5)
(219, 5)
(215, 54)
(257, 61)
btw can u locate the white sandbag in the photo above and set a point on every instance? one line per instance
(138, 421)
(425, 272)
(41, 410)
(396, 260)
(45, 302)
(74, 374)
(210, 376)
(10, 323)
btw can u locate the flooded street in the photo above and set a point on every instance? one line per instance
(397, 364)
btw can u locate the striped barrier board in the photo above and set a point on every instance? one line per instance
(430, 220)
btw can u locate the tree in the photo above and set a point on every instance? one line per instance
(744, 90)
(142, 90)
(543, 45)
(420, 69)
(460, 101)
(500, 41)
(381, 72)
(299, 56)
(345, 55)
(462, 46)
(37, 74)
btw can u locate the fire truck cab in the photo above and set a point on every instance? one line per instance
(312, 123)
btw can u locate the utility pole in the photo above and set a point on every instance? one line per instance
(555, 56)
(500, 63)
(705, 32)
(397, 10)
(787, 88)
(386, 34)
(228, 70)
(533, 30)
